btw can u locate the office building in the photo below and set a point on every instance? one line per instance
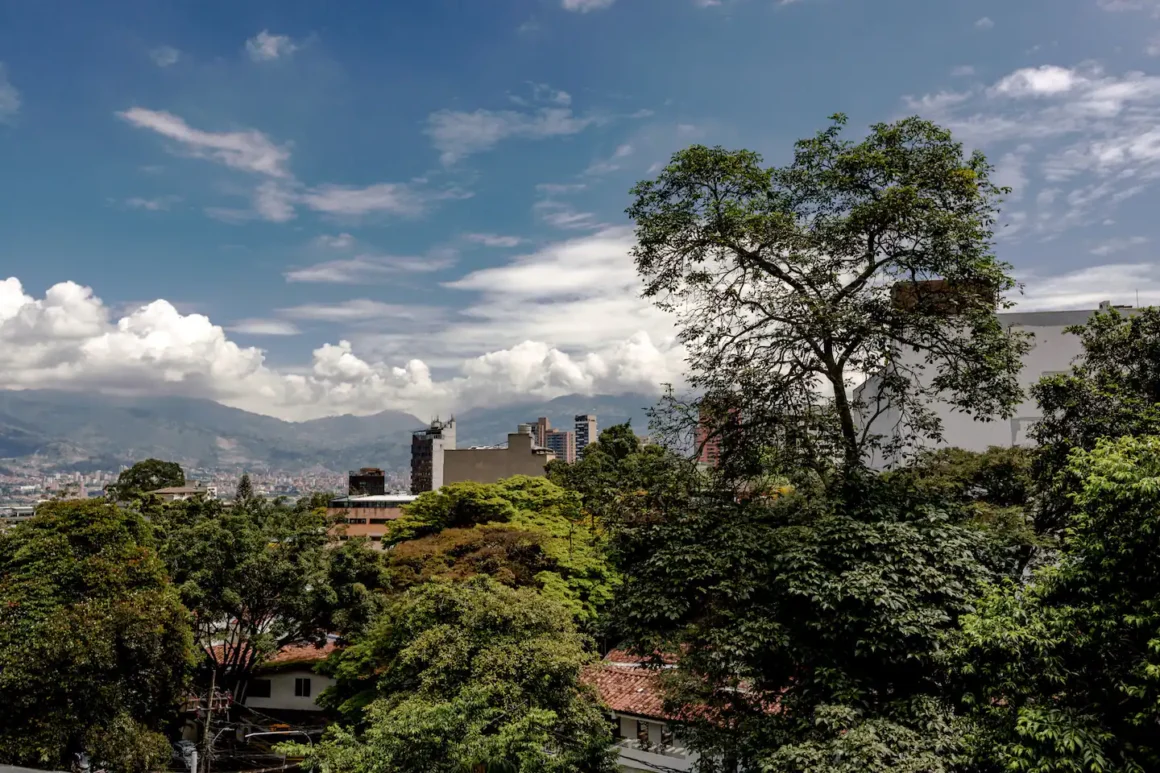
(561, 443)
(367, 516)
(542, 428)
(488, 464)
(368, 481)
(427, 455)
(1052, 353)
(585, 432)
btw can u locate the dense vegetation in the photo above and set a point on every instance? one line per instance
(962, 613)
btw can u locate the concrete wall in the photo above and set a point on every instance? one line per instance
(1052, 353)
(488, 465)
(282, 690)
(632, 758)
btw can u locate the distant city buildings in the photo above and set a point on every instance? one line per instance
(562, 443)
(427, 451)
(585, 432)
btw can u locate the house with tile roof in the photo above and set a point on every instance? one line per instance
(288, 683)
(643, 731)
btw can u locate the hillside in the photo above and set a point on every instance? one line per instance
(78, 431)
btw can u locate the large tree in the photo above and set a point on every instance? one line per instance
(1063, 675)
(260, 575)
(831, 611)
(472, 676)
(784, 281)
(149, 475)
(94, 642)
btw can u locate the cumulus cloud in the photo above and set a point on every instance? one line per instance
(68, 339)
(984, 23)
(156, 204)
(9, 97)
(265, 47)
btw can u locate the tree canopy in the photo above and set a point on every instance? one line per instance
(466, 676)
(546, 538)
(94, 643)
(149, 475)
(785, 284)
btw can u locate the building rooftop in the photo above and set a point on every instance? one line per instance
(384, 498)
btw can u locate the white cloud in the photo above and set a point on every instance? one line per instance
(1085, 288)
(357, 310)
(249, 151)
(1129, 5)
(556, 188)
(165, 56)
(963, 71)
(494, 240)
(1048, 80)
(566, 317)
(563, 215)
(265, 47)
(459, 134)
(156, 204)
(610, 164)
(363, 269)
(353, 201)
(9, 97)
(1011, 172)
(584, 6)
(264, 327)
(275, 200)
(1118, 244)
(984, 23)
(1089, 136)
(337, 241)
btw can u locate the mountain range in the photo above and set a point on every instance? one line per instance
(70, 431)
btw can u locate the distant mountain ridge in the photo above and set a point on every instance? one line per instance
(81, 431)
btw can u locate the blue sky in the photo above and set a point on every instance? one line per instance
(347, 207)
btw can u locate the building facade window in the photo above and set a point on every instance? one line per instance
(301, 688)
(258, 688)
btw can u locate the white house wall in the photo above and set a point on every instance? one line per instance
(282, 691)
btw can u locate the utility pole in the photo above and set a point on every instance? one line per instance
(207, 738)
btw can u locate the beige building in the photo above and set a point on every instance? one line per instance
(190, 491)
(521, 456)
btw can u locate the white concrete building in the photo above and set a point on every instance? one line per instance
(1052, 353)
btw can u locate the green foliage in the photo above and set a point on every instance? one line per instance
(782, 282)
(569, 553)
(832, 611)
(1113, 390)
(259, 576)
(1064, 675)
(245, 490)
(149, 475)
(94, 643)
(466, 676)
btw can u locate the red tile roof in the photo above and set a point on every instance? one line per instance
(628, 690)
(624, 656)
(304, 652)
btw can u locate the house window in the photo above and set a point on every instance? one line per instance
(666, 736)
(301, 688)
(258, 688)
(617, 734)
(642, 733)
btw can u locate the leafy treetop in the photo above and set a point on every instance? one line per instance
(784, 283)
